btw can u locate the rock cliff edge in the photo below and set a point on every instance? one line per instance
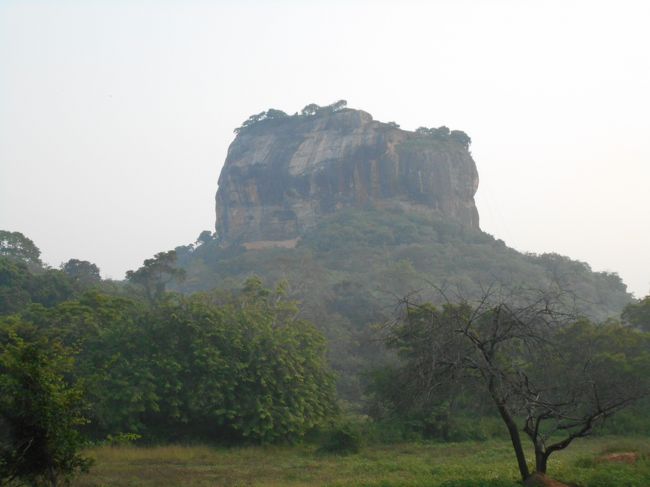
(284, 172)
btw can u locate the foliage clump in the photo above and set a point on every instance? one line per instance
(561, 375)
(273, 114)
(349, 270)
(342, 439)
(443, 133)
(224, 367)
(227, 366)
(19, 247)
(41, 410)
(638, 314)
(134, 361)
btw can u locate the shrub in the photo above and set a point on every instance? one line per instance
(40, 412)
(343, 439)
(122, 439)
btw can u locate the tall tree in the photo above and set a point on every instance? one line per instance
(638, 314)
(19, 286)
(204, 237)
(156, 273)
(14, 281)
(222, 366)
(535, 361)
(40, 411)
(18, 246)
(82, 272)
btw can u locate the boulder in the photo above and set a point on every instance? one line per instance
(282, 174)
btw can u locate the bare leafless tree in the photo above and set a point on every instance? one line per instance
(557, 374)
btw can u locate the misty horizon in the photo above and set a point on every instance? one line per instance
(117, 118)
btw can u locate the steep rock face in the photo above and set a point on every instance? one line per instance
(282, 174)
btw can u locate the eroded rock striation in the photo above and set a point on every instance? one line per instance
(284, 172)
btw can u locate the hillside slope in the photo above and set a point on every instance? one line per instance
(350, 270)
(354, 214)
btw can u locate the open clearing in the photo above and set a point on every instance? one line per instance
(467, 464)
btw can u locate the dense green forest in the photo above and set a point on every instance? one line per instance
(237, 358)
(350, 271)
(82, 359)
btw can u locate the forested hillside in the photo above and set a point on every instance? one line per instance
(83, 359)
(348, 288)
(350, 270)
(354, 214)
(233, 360)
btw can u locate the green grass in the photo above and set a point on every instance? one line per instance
(467, 464)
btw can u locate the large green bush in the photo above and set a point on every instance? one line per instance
(221, 367)
(40, 411)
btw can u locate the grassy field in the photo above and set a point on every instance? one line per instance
(467, 464)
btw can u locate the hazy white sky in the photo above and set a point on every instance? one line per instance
(115, 116)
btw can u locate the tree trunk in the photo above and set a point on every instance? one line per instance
(541, 459)
(53, 477)
(516, 440)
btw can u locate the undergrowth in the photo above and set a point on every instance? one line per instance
(413, 464)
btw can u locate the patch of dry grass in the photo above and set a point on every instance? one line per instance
(485, 464)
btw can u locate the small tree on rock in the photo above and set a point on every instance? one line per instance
(338, 105)
(204, 237)
(310, 110)
(461, 137)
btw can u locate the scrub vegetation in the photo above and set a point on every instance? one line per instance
(283, 379)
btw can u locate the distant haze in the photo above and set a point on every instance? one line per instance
(115, 116)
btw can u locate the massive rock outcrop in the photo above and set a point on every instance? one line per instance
(283, 172)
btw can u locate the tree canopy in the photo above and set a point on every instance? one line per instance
(563, 376)
(17, 246)
(40, 410)
(236, 366)
(82, 271)
(241, 363)
(156, 273)
(638, 314)
(274, 114)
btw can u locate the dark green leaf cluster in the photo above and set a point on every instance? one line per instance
(19, 247)
(558, 376)
(342, 439)
(440, 132)
(374, 228)
(638, 314)
(20, 286)
(41, 409)
(270, 114)
(274, 114)
(351, 268)
(82, 272)
(220, 367)
(24, 279)
(155, 274)
(443, 133)
(313, 109)
(77, 363)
